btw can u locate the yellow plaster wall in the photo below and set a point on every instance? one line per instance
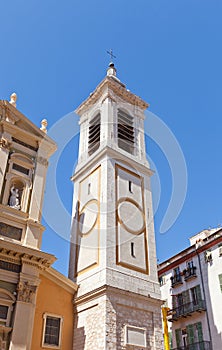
(52, 298)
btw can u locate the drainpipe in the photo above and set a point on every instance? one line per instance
(202, 282)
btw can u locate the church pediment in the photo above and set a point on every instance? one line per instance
(20, 127)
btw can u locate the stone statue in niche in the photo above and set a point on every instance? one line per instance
(14, 198)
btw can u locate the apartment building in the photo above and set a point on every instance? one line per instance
(191, 285)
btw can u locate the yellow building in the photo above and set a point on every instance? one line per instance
(36, 302)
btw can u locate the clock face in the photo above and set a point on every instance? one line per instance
(130, 215)
(88, 217)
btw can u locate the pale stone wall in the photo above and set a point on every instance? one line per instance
(100, 323)
(89, 325)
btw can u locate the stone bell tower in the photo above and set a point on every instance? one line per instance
(113, 254)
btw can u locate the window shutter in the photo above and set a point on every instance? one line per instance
(94, 134)
(199, 296)
(190, 333)
(199, 331)
(170, 340)
(220, 280)
(178, 337)
(186, 297)
(125, 132)
(186, 300)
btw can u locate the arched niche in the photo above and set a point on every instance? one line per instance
(18, 182)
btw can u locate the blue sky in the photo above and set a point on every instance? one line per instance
(53, 54)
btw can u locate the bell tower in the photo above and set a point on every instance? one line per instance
(113, 255)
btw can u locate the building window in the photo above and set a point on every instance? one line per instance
(20, 168)
(190, 264)
(3, 312)
(220, 281)
(130, 187)
(52, 331)
(133, 250)
(220, 249)
(190, 337)
(10, 231)
(6, 307)
(162, 280)
(125, 132)
(94, 134)
(196, 296)
(208, 256)
(190, 271)
(176, 277)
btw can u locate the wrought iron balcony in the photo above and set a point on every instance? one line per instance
(186, 310)
(203, 345)
(190, 272)
(175, 280)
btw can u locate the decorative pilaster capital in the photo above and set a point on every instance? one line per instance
(4, 143)
(26, 291)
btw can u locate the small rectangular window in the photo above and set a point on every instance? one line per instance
(3, 312)
(130, 187)
(220, 249)
(132, 250)
(162, 280)
(220, 281)
(10, 231)
(52, 331)
(208, 256)
(196, 295)
(89, 188)
(20, 168)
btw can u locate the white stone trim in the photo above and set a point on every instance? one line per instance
(51, 346)
(127, 326)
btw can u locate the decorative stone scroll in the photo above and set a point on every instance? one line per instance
(26, 292)
(4, 143)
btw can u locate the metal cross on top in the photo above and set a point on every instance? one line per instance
(110, 52)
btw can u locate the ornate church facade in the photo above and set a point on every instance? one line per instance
(111, 299)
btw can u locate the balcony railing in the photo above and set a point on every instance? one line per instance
(189, 273)
(203, 345)
(175, 280)
(186, 310)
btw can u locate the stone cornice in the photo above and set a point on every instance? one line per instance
(18, 253)
(129, 161)
(104, 290)
(60, 279)
(111, 84)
